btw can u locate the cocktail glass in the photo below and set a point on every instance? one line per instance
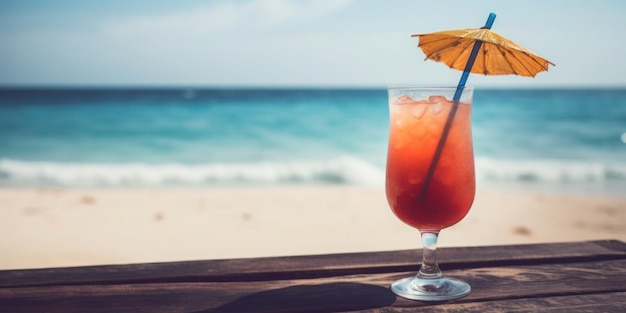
(430, 188)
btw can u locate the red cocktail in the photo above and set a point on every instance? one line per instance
(430, 180)
(415, 129)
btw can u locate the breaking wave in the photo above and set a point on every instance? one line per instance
(549, 171)
(338, 171)
(345, 170)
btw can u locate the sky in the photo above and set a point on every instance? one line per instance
(319, 43)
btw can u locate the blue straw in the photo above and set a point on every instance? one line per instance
(455, 106)
(470, 61)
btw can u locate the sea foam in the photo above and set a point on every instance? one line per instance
(337, 171)
(343, 170)
(549, 170)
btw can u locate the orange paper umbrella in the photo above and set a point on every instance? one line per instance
(480, 51)
(497, 55)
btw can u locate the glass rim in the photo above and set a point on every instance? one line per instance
(427, 87)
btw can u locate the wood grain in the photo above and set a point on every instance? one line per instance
(298, 267)
(562, 277)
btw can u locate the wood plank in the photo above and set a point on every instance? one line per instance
(604, 302)
(300, 267)
(544, 285)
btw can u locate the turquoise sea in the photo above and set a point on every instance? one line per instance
(571, 140)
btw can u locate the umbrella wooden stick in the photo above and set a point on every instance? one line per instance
(455, 106)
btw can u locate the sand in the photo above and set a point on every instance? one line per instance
(76, 227)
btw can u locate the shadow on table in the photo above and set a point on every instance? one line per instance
(314, 298)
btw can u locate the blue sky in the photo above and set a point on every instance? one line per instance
(295, 42)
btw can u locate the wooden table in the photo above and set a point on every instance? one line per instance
(561, 277)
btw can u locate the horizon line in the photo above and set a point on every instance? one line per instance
(289, 86)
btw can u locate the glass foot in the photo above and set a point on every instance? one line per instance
(440, 289)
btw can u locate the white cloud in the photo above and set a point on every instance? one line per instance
(254, 15)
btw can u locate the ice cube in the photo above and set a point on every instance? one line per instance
(400, 122)
(418, 111)
(436, 99)
(404, 99)
(436, 108)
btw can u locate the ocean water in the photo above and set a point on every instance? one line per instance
(559, 139)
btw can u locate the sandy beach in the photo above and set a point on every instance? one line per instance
(75, 227)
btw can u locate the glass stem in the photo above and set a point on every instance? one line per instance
(430, 268)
